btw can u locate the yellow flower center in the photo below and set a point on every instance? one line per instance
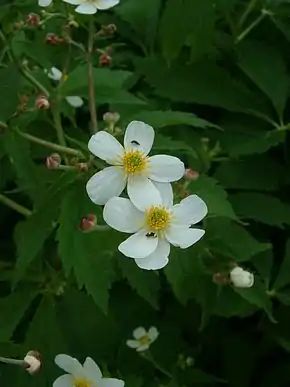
(157, 218)
(82, 383)
(144, 340)
(134, 161)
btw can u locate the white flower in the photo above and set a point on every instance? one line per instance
(87, 375)
(56, 75)
(241, 278)
(143, 339)
(90, 7)
(130, 164)
(156, 227)
(33, 361)
(44, 3)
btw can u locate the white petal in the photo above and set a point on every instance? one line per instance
(55, 74)
(92, 370)
(143, 347)
(158, 259)
(70, 365)
(133, 343)
(165, 168)
(183, 237)
(74, 101)
(106, 4)
(106, 147)
(138, 245)
(166, 193)
(242, 278)
(73, 2)
(86, 9)
(64, 381)
(143, 193)
(110, 382)
(139, 332)
(106, 184)
(190, 210)
(139, 136)
(153, 334)
(120, 214)
(44, 3)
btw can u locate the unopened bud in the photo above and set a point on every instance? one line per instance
(191, 174)
(111, 118)
(53, 161)
(82, 167)
(42, 102)
(33, 362)
(33, 19)
(88, 222)
(109, 30)
(220, 278)
(105, 59)
(241, 278)
(53, 39)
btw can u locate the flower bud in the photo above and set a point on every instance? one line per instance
(53, 39)
(241, 278)
(220, 278)
(33, 19)
(105, 59)
(109, 30)
(33, 361)
(82, 167)
(191, 174)
(111, 118)
(42, 102)
(88, 222)
(53, 161)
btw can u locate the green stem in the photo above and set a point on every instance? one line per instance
(249, 29)
(94, 122)
(8, 360)
(51, 145)
(15, 206)
(34, 81)
(58, 126)
(147, 355)
(248, 10)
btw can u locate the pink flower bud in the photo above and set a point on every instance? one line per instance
(191, 174)
(105, 59)
(53, 39)
(42, 102)
(33, 361)
(88, 222)
(33, 19)
(53, 161)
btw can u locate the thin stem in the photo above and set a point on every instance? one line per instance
(94, 122)
(34, 81)
(58, 126)
(248, 10)
(51, 145)
(249, 29)
(8, 360)
(147, 355)
(15, 206)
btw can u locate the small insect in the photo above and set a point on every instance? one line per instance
(151, 235)
(134, 142)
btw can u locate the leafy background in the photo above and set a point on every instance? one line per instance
(212, 77)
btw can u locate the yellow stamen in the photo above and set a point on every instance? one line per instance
(144, 340)
(82, 383)
(157, 218)
(134, 161)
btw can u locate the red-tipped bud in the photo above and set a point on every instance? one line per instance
(220, 278)
(42, 102)
(53, 161)
(53, 39)
(191, 174)
(88, 222)
(111, 118)
(32, 362)
(105, 59)
(33, 19)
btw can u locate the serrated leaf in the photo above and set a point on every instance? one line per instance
(146, 283)
(283, 278)
(214, 196)
(273, 78)
(160, 119)
(13, 308)
(88, 254)
(262, 208)
(10, 80)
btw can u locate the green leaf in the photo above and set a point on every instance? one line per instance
(10, 80)
(262, 208)
(229, 239)
(13, 308)
(88, 254)
(229, 303)
(214, 196)
(272, 79)
(160, 119)
(283, 278)
(165, 143)
(195, 21)
(146, 283)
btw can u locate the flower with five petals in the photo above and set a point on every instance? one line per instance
(142, 338)
(131, 165)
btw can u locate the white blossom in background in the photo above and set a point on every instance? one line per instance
(44, 3)
(131, 166)
(86, 375)
(241, 278)
(142, 338)
(89, 7)
(156, 227)
(56, 75)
